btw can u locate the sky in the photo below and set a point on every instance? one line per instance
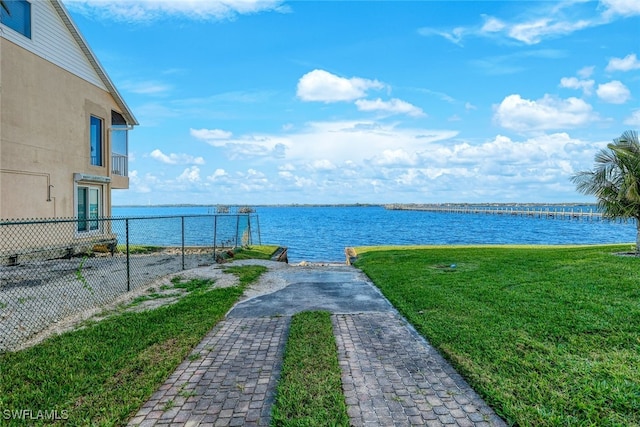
(253, 102)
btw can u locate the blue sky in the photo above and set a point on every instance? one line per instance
(268, 102)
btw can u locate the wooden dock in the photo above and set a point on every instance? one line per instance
(542, 212)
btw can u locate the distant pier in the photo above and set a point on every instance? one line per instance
(533, 211)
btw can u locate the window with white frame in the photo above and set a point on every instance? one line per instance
(16, 14)
(89, 207)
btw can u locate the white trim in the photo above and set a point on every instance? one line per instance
(91, 178)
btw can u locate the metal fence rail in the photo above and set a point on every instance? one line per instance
(51, 269)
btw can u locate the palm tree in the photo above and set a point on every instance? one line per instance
(615, 180)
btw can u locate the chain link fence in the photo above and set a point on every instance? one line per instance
(51, 269)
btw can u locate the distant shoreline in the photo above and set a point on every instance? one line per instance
(348, 205)
(283, 205)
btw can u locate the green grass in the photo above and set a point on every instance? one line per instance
(149, 297)
(102, 374)
(255, 252)
(309, 392)
(549, 336)
(246, 273)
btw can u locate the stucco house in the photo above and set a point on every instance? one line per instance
(63, 124)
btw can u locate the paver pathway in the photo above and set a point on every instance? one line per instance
(229, 379)
(391, 376)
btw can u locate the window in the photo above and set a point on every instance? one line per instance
(17, 16)
(89, 208)
(119, 144)
(96, 141)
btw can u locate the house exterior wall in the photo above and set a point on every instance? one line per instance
(44, 137)
(48, 92)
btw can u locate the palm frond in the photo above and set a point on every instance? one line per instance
(615, 178)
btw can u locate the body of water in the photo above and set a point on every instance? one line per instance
(320, 233)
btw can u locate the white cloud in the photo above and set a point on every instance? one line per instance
(454, 36)
(337, 161)
(534, 32)
(320, 85)
(396, 158)
(175, 159)
(217, 175)
(287, 167)
(492, 25)
(393, 106)
(613, 92)
(210, 134)
(252, 181)
(441, 95)
(633, 119)
(190, 174)
(628, 63)
(323, 165)
(244, 146)
(137, 184)
(547, 113)
(586, 72)
(621, 7)
(574, 83)
(543, 20)
(146, 87)
(152, 10)
(357, 141)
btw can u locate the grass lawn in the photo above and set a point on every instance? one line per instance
(309, 392)
(255, 252)
(102, 374)
(549, 336)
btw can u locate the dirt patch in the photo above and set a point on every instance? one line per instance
(631, 254)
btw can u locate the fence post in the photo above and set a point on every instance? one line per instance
(215, 231)
(182, 218)
(126, 222)
(258, 224)
(249, 240)
(237, 228)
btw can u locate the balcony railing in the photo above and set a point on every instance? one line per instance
(119, 164)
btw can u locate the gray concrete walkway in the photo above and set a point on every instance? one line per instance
(391, 376)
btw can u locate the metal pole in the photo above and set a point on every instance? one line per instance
(237, 228)
(259, 237)
(126, 221)
(249, 241)
(215, 231)
(182, 220)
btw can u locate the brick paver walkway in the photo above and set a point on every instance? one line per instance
(229, 379)
(391, 376)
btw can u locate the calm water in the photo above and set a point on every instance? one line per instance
(322, 233)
